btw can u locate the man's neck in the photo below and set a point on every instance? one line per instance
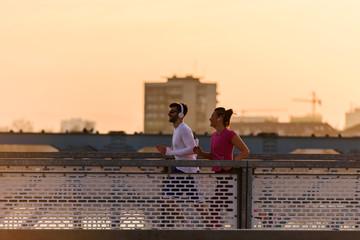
(177, 123)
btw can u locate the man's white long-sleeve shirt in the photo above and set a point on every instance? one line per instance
(183, 143)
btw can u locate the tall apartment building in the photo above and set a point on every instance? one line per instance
(200, 98)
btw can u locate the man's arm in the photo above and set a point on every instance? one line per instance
(188, 140)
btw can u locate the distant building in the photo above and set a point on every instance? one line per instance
(353, 131)
(285, 129)
(315, 151)
(77, 125)
(200, 98)
(253, 119)
(308, 118)
(352, 118)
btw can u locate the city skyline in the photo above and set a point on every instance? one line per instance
(257, 114)
(89, 59)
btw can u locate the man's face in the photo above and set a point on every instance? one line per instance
(173, 114)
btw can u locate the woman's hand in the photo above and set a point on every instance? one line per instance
(197, 150)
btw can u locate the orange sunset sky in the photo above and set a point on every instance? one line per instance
(89, 59)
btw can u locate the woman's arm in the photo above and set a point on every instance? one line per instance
(199, 151)
(244, 150)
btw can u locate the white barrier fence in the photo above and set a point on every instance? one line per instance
(306, 199)
(55, 198)
(105, 191)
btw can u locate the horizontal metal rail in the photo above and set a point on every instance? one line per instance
(182, 163)
(149, 155)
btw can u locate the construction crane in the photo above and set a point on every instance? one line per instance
(313, 102)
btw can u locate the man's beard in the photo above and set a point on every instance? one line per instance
(173, 119)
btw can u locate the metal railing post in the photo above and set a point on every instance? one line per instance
(242, 197)
(249, 187)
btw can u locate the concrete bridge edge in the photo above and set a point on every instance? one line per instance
(14, 234)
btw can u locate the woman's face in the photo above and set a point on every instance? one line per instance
(214, 120)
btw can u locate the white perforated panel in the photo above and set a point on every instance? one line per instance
(306, 201)
(105, 200)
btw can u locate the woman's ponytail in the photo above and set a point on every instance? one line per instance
(227, 117)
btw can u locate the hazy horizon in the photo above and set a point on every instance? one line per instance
(89, 59)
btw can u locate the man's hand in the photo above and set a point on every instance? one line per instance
(161, 149)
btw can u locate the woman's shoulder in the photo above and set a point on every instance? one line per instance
(229, 133)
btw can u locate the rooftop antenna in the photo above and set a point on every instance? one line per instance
(195, 67)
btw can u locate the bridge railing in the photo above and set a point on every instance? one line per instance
(137, 191)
